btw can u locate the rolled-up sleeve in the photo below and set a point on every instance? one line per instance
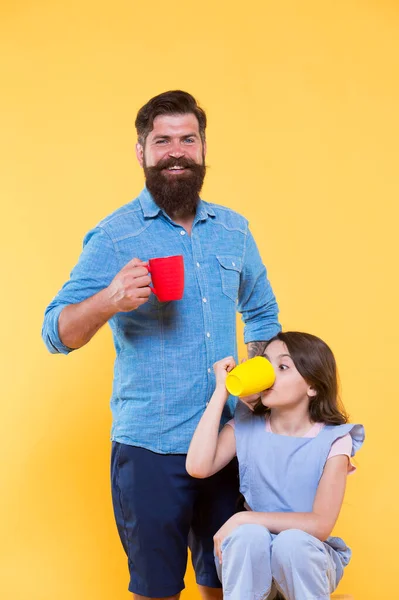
(97, 266)
(256, 301)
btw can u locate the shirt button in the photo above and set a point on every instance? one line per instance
(209, 370)
(208, 334)
(203, 299)
(198, 264)
(182, 233)
(206, 403)
(234, 264)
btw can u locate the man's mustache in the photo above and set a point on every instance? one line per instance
(167, 163)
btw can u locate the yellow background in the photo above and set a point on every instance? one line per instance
(302, 99)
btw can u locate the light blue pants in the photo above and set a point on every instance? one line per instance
(255, 563)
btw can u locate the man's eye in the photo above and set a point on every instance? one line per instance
(161, 142)
(189, 140)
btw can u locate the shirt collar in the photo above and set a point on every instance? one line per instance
(148, 205)
(151, 209)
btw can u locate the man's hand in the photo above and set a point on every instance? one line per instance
(130, 287)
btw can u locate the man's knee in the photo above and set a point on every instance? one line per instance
(210, 593)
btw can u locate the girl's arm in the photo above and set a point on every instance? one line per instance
(319, 522)
(210, 451)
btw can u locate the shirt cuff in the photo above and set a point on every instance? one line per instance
(256, 333)
(50, 332)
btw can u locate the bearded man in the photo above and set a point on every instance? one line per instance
(165, 350)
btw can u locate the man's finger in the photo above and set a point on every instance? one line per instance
(136, 272)
(135, 262)
(143, 292)
(141, 281)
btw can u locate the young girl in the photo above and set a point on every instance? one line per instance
(294, 456)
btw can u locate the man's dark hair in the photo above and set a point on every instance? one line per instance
(174, 102)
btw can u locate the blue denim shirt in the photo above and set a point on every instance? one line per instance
(163, 376)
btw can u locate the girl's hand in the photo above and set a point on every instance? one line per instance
(225, 531)
(221, 368)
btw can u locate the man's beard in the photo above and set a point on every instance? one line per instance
(177, 195)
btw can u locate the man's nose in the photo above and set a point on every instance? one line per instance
(176, 150)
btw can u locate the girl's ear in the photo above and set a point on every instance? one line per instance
(311, 392)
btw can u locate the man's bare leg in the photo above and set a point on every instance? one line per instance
(138, 597)
(209, 593)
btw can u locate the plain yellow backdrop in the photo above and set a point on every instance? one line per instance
(302, 99)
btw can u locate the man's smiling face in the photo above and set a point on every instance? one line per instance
(172, 137)
(173, 161)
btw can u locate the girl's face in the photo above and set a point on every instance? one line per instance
(290, 389)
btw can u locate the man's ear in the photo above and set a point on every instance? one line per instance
(140, 154)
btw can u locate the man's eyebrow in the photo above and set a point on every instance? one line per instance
(167, 137)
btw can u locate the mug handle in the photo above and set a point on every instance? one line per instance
(151, 288)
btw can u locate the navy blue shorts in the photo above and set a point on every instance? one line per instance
(160, 510)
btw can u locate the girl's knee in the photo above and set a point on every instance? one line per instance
(247, 537)
(293, 545)
(253, 534)
(246, 561)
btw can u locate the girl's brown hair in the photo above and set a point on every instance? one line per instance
(316, 363)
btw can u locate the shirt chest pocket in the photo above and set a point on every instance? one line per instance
(230, 271)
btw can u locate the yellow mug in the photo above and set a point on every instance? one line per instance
(251, 377)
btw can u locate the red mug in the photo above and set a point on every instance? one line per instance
(167, 276)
